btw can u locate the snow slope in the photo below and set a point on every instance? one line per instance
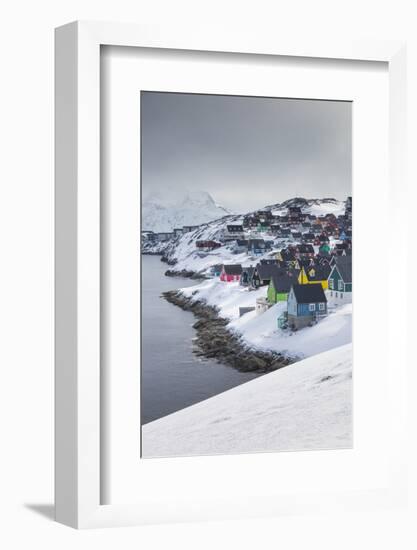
(161, 214)
(305, 406)
(261, 331)
(317, 207)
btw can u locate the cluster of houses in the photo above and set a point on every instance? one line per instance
(308, 283)
(162, 237)
(255, 233)
(261, 231)
(306, 260)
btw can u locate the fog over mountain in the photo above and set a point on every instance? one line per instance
(245, 151)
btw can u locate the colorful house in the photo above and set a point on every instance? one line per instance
(340, 281)
(315, 274)
(231, 273)
(324, 249)
(263, 226)
(305, 251)
(308, 237)
(280, 285)
(257, 247)
(207, 246)
(307, 304)
(233, 232)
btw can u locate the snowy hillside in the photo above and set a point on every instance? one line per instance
(160, 213)
(261, 331)
(182, 252)
(305, 406)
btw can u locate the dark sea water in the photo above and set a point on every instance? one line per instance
(172, 377)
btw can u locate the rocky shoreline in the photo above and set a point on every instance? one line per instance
(183, 273)
(215, 341)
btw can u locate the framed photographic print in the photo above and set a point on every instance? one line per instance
(260, 276)
(223, 344)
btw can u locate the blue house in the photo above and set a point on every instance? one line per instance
(307, 304)
(257, 247)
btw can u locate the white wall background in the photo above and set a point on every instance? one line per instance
(26, 274)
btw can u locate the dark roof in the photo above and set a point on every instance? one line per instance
(265, 271)
(323, 257)
(287, 254)
(321, 273)
(217, 267)
(308, 236)
(308, 262)
(305, 249)
(232, 269)
(308, 294)
(269, 261)
(249, 273)
(283, 281)
(241, 242)
(253, 243)
(344, 266)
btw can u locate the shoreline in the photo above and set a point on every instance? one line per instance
(184, 273)
(215, 341)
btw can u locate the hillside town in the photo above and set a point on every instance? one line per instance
(299, 260)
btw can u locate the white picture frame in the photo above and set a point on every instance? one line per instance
(78, 326)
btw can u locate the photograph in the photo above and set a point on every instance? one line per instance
(245, 274)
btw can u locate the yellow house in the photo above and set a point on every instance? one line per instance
(313, 275)
(293, 263)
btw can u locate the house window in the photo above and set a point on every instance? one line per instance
(321, 307)
(341, 294)
(331, 284)
(340, 285)
(311, 307)
(331, 293)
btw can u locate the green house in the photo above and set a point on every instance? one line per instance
(340, 278)
(324, 249)
(262, 227)
(279, 286)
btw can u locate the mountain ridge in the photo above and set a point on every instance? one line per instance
(163, 214)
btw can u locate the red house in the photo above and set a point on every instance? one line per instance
(207, 245)
(231, 273)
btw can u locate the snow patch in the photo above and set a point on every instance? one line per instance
(305, 406)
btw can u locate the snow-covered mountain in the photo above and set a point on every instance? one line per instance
(307, 405)
(161, 213)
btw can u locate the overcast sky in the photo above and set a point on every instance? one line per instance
(246, 152)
